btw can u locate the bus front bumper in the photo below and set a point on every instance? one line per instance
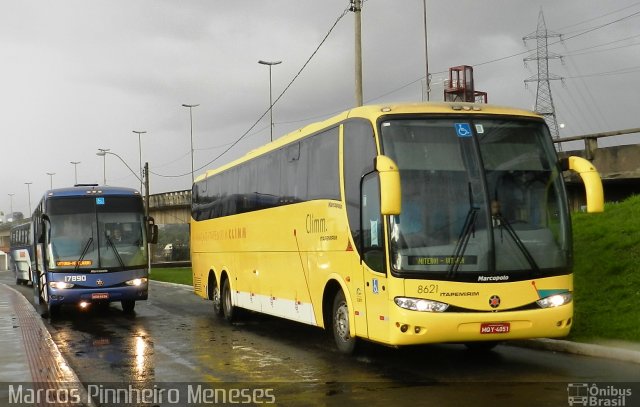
(78, 295)
(414, 327)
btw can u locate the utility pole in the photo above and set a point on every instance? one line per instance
(140, 132)
(146, 189)
(427, 81)
(356, 7)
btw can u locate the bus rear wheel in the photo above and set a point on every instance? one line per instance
(217, 300)
(228, 310)
(341, 325)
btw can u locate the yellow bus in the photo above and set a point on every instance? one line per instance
(400, 224)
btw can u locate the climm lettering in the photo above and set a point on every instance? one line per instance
(315, 225)
(225, 234)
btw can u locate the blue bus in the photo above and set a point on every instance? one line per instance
(91, 246)
(21, 252)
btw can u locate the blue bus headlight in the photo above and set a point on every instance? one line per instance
(555, 300)
(419, 304)
(137, 282)
(59, 285)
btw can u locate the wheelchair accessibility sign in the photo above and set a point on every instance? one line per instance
(463, 129)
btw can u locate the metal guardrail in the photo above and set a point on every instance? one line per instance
(591, 140)
(170, 199)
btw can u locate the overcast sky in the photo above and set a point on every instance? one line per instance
(79, 75)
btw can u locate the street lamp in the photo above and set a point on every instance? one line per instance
(10, 207)
(191, 121)
(103, 153)
(270, 64)
(75, 170)
(28, 184)
(139, 132)
(51, 174)
(104, 164)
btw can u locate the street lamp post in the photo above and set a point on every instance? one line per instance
(103, 153)
(28, 184)
(51, 174)
(139, 132)
(270, 64)
(11, 206)
(75, 170)
(104, 164)
(191, 123)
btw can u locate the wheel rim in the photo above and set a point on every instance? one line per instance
(342, 322)
(227, 298)
(216, 297)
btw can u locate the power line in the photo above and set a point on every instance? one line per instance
(596, 18)
(233, 144)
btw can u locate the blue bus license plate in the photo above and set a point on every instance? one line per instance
(100, 296)
(495, 328)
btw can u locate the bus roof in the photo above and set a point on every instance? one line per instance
(86, 190)
(372, 112)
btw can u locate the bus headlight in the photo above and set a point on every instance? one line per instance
(555, 300)
(136, 281)
(59, 285)
(418, 304)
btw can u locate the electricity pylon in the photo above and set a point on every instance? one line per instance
(544, 100)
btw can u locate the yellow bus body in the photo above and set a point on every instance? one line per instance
(289, 260)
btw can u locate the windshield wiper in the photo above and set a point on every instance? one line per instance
(463, 240)
(113, 246)
(84, 253)
(511, 231)
(465, 234)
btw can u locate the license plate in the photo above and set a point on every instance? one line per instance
(495, 327)
(100, 296)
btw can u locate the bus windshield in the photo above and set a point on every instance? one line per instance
(96, 232)
(482, 199)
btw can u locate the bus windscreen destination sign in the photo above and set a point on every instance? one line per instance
(441, 260)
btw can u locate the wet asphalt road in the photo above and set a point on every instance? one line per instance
(175, 338)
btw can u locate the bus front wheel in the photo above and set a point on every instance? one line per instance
(228, 310)
(128, 306)
(341, 325)
(53, 310)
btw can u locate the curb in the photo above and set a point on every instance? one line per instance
(46, 363)
(583, 349)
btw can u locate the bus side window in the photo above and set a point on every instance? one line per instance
(372, 228)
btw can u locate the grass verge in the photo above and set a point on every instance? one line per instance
(178, 275)
(607, 273)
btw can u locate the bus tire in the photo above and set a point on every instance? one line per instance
(228, 310)
(217, 300)
(341, 325)
(53, 311)
(128, 306)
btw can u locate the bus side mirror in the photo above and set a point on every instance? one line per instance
(42, 230)
(390, 201)
(590, 178)
(152, 231)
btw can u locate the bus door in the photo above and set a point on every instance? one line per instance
(39, 274)
(373, 262)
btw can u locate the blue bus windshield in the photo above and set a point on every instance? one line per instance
(89, 233)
